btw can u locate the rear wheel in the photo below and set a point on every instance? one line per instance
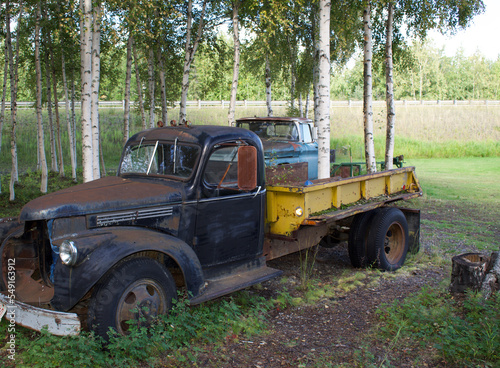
(137, 290)
(388, 239)
(358, 237)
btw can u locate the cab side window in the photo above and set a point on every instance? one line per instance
(221, 171)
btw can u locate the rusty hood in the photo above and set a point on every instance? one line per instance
(280, 149)
(107, 194)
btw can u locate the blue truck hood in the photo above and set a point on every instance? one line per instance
(107, 194)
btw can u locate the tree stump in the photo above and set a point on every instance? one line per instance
(491, 282)
(468, 271)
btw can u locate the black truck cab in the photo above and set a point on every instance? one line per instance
(186, 209)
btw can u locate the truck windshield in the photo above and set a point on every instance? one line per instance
(272, 130)
(172, 159)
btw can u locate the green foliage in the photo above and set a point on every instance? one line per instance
(464, 334)
(176, 337)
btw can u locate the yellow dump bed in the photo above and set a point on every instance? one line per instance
(290, 206)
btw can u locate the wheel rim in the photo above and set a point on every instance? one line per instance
(141, 302)
(394, 243)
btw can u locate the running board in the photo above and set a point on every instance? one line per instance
(234, 282)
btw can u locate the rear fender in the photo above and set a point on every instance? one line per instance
(99, 250)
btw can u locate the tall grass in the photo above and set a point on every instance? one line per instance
(421, 132)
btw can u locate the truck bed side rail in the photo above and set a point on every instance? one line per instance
(289, 207)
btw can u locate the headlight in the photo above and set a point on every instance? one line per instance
(68, 253)
(299, 212)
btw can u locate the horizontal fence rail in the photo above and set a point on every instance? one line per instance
(225, 104)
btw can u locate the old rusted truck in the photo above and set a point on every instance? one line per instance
(286, 140)
(189, 208)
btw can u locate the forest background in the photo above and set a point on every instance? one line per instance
(276, 42)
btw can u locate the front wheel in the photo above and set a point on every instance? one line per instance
(388, 239)
(136, 290)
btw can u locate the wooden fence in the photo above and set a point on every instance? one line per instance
(349, 103)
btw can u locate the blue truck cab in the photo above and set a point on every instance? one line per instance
(286, 140)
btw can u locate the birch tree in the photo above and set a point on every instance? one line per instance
(139, 85)
(96, 74)
(236, 62)
(323, 105)
(371, 165)
(192, 42)
(70, 126)
(128, 77)
(86, 88)
(41, 146)
(391, 110)
(14, 176)
(151, 75)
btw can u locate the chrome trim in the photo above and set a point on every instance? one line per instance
(251, 195)
(133, 215)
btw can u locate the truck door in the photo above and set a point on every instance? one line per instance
(229, 224)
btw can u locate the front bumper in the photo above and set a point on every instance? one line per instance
(57, 323)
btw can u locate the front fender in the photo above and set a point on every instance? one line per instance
(99, 250)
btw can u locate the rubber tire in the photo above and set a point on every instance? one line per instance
(358, 238)
(388, 239)
(122, 284)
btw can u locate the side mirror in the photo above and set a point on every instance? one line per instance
(247, 168)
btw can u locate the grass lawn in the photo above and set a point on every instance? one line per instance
(471, 179)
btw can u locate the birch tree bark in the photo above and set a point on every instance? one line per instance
(58, 120)
(190, 51)
(236, 63)
(371, 165)
(4, 92)
(151, 86)
(72, 150)
(38, 71)
(13, 101)
(96, 71)
(269, 97)
(86, 88)
(391, 109)
(53, 153)
(128, 77)
(163, 87)
(324, 90)
(139, 85)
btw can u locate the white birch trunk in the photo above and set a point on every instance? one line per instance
(391, 109)
(151, 87)
(139, 85)
(163, 91)
(96, 71)
(324, 91)
(315, 36)
(371, 165)
(190, 51)
(13, 104)
(86, 73)
(41, 146)
(236, 64)
(58, 121)
(53, 150)
(73, 117)
(4, 92)
(128, 77)
(269, 97)
(72, 150)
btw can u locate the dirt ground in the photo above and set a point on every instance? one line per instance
(336, 331)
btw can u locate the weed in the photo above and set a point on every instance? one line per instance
(465, 334)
